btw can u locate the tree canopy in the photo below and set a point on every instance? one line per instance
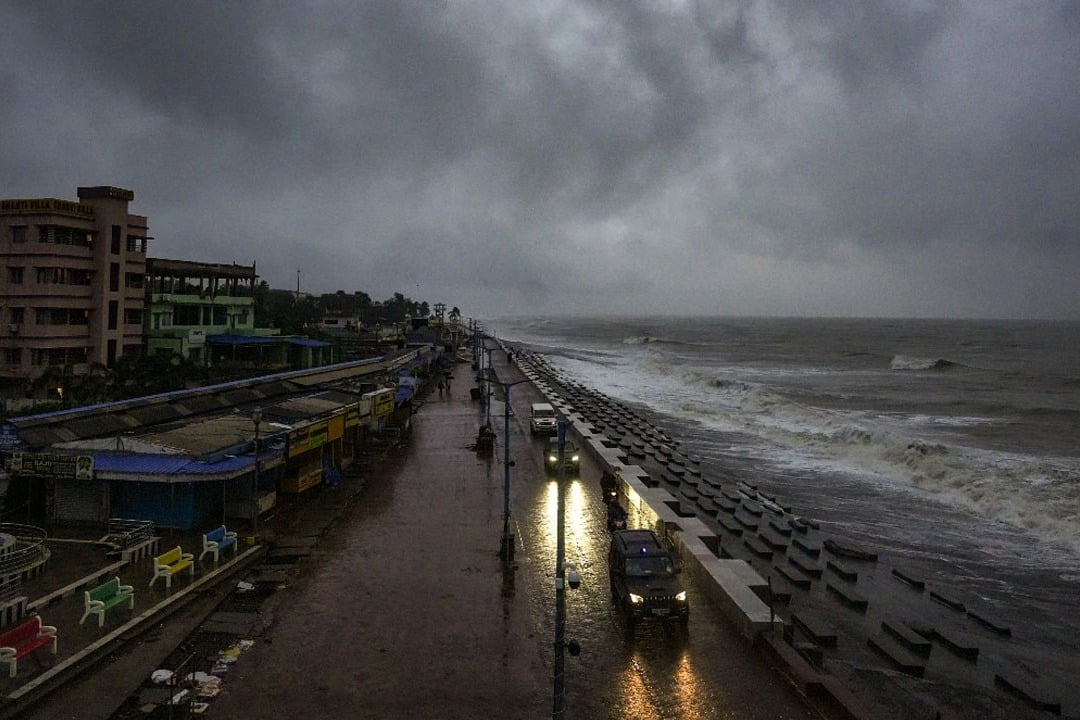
(296, 313)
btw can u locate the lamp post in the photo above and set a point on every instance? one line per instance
(256, 417)
(506, 548)
(560, 580)
(487, 386)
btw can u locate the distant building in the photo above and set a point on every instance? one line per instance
(188, 302)
(340, 323)
(71, 289)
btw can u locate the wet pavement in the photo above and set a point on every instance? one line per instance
(386, 597)
(408, 611)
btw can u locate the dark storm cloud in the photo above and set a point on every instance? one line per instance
(744, 157)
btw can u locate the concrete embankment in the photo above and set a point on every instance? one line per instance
(843, 627)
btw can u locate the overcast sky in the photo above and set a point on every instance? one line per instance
(787, 157)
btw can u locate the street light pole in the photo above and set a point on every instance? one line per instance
(506, 550)
(560, 579)
(487, 387)
(256, 417)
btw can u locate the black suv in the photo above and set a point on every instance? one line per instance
(643, 577)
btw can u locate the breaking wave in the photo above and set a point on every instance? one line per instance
(645, 340)
(905, 362)
(903, 450)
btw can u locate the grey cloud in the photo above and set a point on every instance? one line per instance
(550, 156)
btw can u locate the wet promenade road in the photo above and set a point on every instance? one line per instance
(406, 610)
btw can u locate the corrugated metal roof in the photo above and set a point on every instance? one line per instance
(339, 375)
(338, 396)
(311, 405)
(103, 424)
(157, 413)
(202, 403)
(241, 396)
(206, 437)
(138, 415)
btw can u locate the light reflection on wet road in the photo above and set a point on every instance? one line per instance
(406, 611)
(657, 671)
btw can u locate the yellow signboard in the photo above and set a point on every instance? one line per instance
(382, 404)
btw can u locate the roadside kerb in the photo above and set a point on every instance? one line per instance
(732, 583)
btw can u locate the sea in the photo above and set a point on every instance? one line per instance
(950, 445)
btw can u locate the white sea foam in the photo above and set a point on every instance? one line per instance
(1033, 494)
(904, 362)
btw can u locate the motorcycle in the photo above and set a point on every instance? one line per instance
(616, 516)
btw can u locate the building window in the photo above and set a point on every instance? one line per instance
(114, 308)
(114, 277)
(18, 233)
(15, 275)
(187, 315)
(110, 350)
(17, 314)
(61, 235)
(133, 317)
(116, 238)
(133, 280)
(61, 316)
(13, 356)
(62, 276)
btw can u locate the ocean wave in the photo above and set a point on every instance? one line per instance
(905, 452)
(906, 362)
(1021, 491)
(645, 340)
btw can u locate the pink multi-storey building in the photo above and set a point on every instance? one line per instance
(71, 287)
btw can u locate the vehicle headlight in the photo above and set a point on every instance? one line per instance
(681, 597)
(574, 459)
(553, 458)
(636, 599)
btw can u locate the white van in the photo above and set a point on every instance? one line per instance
(542, 419)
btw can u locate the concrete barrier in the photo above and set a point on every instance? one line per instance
(731, 584)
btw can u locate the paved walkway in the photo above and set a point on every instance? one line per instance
(416, 540)
(404, 610)
(408, 614)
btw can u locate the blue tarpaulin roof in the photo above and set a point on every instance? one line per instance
(170, 464)
(252, 340)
